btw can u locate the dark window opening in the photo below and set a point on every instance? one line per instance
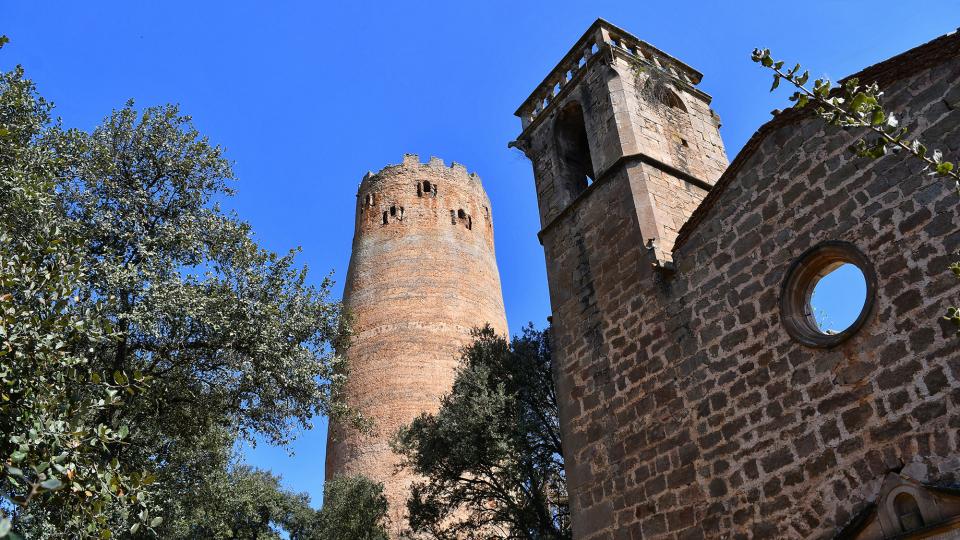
(657, 90)
(908, 512)
(671, 99)
(461, 214)
(453, 217)
(369, 199)
(419, 190)
(469, 223)
(426, 186)
(570, 133)
(393, 211)
(384, 218)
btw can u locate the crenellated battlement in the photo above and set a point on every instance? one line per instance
(602, 39)
(412, 192)
(434, 166)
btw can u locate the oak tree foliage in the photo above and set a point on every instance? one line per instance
(354, 508)
(491, 456)
(143, 331)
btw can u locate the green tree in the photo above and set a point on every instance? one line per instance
(491, 456)
(237, 501)
(145, 329)
(61, 417)
(354, 508)
(854, 106)
(236, 341)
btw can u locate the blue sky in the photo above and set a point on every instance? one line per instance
(308, 96)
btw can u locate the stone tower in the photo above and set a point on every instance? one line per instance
(422, 274)
(617, 107)
(624, 148)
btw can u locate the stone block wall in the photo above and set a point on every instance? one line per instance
(687, 409)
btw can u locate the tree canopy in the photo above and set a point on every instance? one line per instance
(491, 456)
(354, 508)
(144, 332)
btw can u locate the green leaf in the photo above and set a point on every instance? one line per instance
(119, 377)
(156, 521)
(51, 484)
(17, 456)
(944, 168)
(5, 526)
(123, 431)
(135, 528)
(858, 101)
(776, 82)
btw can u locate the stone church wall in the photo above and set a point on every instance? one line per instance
(688, 410)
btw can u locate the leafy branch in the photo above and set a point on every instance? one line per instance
(851, 105)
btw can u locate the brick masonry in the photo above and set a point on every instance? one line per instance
(687, 410)
(422, 274)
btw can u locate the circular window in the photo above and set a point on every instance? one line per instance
(828, 294)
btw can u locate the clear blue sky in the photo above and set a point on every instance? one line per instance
(307, 96)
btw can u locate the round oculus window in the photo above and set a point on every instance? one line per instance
(828, 294)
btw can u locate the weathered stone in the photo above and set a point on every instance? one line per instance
(799, 434)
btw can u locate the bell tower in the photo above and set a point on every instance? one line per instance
(616, 105)
(624, 147)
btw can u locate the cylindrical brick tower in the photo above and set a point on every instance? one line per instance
(422, 274)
